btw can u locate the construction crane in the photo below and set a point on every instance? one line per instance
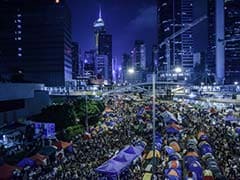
(166, 41)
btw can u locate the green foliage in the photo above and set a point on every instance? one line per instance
(73, 131)
(89, 107)
(62, 115)
(65, 115)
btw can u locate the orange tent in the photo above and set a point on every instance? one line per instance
(200, 134)
(195, 154)
(173, 172)
(174, 164)
(62, 144)
(175, 146)
(6, 171)
(40, 159)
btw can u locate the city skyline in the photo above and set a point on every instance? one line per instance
(125, 26)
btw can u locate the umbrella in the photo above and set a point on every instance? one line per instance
(26, 162)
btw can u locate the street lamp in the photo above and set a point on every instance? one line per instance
(178, 70)
(131, 71)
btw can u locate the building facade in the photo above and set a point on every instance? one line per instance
(168, 22)
(139, 55)
(232, 44)
(76, 61)
(103, 42)
(187, 38)
(36, 41)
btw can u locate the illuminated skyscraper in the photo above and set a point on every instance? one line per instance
(103, 42)
(35, 40)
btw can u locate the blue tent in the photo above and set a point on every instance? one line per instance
(171, 130)
(26, 162)
(196, 168)
(169, 150)
(121, 161)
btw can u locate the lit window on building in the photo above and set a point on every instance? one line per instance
(19, 49)
(19, 15)
(19, 38)
(19, 20)
(19, 26)
(19, 54)
(57, 1)
(19, 32)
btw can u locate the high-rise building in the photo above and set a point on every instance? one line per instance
(101, 67)
(187, 38)
(172, 15)
(89, 63)
(76, 61)
(230, 68)
(169, 21)
(103, 43)
(35, 39)
(139, 55)
(232, 44)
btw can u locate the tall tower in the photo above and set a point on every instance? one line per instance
(169, 22)
(187, 39)
(103, 42)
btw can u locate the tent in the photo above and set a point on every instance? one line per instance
(150, 154)
(26, 162)
(47, 151)
(62, 144)
(147, 176)
(175, 146)
(121, 161)
(169, 150)
(6, 171)
(40, 159)
(171, 130)
(197, 169)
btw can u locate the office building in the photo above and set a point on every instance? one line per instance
(89, 63)
(35, 39)
(76, 61)
(232, 44)
(187, 38)
(101, 67)
(103, 42)
(169, 21)
(139, 55)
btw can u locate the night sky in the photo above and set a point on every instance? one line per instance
(125, 20)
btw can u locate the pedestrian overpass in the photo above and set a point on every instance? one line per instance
(161, 87)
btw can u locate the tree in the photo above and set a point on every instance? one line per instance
(62, 115)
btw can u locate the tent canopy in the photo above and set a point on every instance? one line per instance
(121, 161)
(47, 151)
(26, 162)
(62, 144)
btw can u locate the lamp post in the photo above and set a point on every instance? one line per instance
(153, 121)
(131, 71)
(178, 70)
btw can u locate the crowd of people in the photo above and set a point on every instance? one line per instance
(101, 143)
